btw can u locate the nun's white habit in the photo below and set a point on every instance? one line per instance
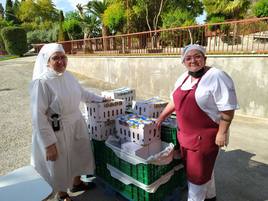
(54, 93)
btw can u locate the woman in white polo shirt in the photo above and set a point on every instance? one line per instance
(204, 100)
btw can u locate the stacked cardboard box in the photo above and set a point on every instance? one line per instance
(124, 93)
(101, 117)
(149, 108)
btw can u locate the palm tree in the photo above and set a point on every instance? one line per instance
(97, 8)
(228, 9)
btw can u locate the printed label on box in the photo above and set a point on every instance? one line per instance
(124, 93)
(137, 128)
(150, 108)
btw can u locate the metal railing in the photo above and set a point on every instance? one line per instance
(248, 36)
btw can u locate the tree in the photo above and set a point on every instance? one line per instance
(181, 13)
(62, 36)
(229, 9)
(10, 14)
(47, 10)
(224, 10)
(41, 13)
(114, 17)
(2, 11)
(98, 8)
(260, 8)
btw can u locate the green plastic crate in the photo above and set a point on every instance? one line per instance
(145, 173)
(135, 193)
(169, 134)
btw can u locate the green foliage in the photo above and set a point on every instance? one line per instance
(216, 20)
(91, 26)
(15, 40)
(2, 11)
(176, 18)
(62, 36)
(10, 14)
(260, 9)
(97, 8)
(2, 45)
(42, 36)
(72, 15)
(73, 28)
(229, 9)
(114, 17)
(40, 13)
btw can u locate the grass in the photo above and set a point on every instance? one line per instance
(6, 57)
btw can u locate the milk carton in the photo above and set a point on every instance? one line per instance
(137, 128)
(150, 108)
(104, 111)
(124, 93)
(101, 130)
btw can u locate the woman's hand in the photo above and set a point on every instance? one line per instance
(107, 98)
(159, 121)
(221, 139)
(51, 153)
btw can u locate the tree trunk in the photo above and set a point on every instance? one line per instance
(104, 36)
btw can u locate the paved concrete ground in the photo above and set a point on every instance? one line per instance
(241, 170)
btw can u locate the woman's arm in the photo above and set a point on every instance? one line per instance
(166, 112)
(225, 122)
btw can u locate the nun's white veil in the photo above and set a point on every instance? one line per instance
(43, 56)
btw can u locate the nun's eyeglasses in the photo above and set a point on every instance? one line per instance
(59, 58)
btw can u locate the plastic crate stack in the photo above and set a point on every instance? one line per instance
(138, 164)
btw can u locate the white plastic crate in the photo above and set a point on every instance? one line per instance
(137, 128)
(150, 108)
(124, 93)
(101, 130)
(105, 110)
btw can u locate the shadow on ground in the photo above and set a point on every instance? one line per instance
(238, 178)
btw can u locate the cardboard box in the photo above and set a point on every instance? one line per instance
(101, 130)
(137, 128)
(105, 111)
(124, 93)
(150, 108)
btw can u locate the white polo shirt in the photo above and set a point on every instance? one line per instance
(215, 92)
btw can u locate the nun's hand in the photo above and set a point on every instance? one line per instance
(107, 98)
(51, 153)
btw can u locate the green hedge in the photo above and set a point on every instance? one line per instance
(15, 40)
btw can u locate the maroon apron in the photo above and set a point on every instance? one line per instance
(196, 136)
